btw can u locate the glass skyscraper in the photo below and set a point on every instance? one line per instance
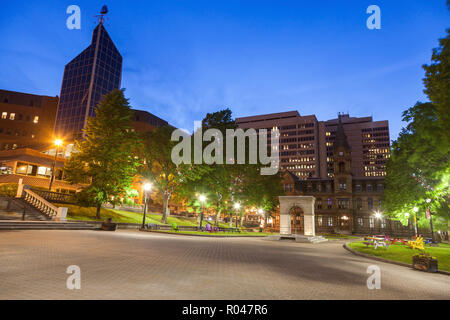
(93, 73)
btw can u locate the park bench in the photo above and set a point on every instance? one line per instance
(376, 242)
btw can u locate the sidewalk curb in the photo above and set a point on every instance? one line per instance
(368, 256)
(199, 235)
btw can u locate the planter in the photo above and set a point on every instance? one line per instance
(425, 263)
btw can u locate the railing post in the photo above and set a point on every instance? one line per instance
(61, 214)
(20, 189)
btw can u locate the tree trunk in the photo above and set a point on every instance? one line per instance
(99, 206)
(166, 210)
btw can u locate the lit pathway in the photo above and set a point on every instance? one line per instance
(124, 264)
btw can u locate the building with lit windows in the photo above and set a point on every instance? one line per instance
(306, 144)
(26, 120)
(96, 71)
(346, 201)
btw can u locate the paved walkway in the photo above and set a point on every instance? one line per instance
(133, 265)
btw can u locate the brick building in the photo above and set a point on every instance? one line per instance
(306, 144)
(26, 120)
(345, 202)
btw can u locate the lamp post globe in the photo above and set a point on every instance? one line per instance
(202, 199)
(147, 187)
(58, 142)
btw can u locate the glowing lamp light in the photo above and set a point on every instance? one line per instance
(202, 198)
(147, 186)
(260, 211)
(58, 142)
(237, 206)
(378, 215)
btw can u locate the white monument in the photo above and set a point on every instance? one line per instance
(306, 203)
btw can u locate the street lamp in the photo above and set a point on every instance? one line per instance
(57, 143)
(415, 209)
(147, 187)
(431, 219)
(378, 215)
(261, 212)
(202, 199)
(237, 206)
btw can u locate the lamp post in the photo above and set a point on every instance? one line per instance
(202, 199)
(261, 213)
(431, 219)
(146, 188)
(415, 209)
(378, 215)
(58, 142)
(237, 206)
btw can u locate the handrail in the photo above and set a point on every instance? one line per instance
(40, 203)
(54, 196)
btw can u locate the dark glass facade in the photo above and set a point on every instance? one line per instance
(93, 73)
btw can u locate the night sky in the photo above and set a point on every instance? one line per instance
(183, 59)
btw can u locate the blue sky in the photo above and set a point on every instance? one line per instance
(183, 59)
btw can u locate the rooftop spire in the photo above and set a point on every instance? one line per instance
(341, 138)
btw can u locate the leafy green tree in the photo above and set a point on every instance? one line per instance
(105, 158)
(419, 167)
(437, 83)
(226, 184)
(159, 168)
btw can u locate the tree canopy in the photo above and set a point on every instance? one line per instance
(105, 157)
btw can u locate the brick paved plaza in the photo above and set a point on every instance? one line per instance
(133, 265)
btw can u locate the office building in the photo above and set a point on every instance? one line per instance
(96, 71)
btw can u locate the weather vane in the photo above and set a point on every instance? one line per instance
(103, 13)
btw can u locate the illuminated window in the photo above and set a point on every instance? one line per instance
(12, 116)
(360, 222)
(4, 115)
(330, 221)
(36, 119)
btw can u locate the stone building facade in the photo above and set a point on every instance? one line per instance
(344, 203)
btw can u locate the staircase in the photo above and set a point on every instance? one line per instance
(44, 225)
(19, 205)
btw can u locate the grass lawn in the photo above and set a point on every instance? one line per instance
(235, 234)
(401, 253)
(88, 214)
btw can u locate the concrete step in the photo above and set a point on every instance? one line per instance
(17, 205)
(44, 225)
(298, 238)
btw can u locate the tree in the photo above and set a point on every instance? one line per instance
(227, 183)
(159, 168)
(419, 167)
(106, 156)
(437, 83)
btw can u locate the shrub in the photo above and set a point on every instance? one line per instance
(8, 189)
